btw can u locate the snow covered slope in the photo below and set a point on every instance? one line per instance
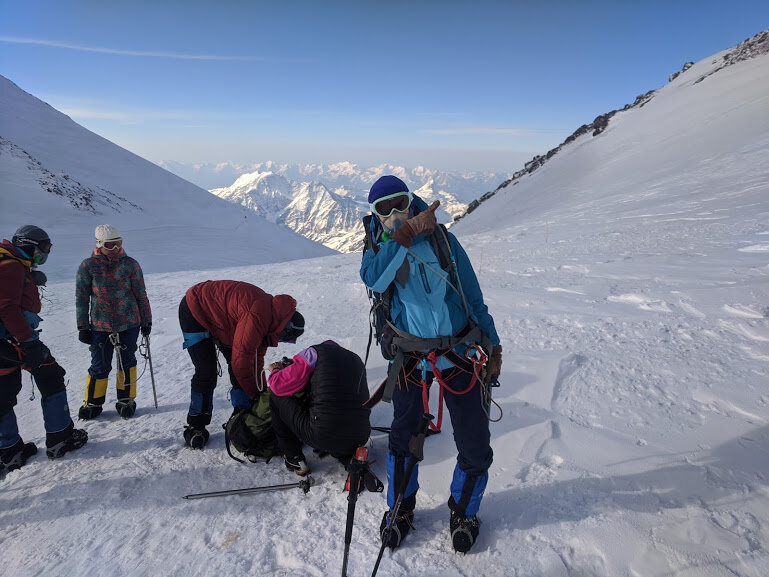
(696, 111)
(66, 179)
(629, 281)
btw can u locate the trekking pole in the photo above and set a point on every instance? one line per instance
(416, 450)
(152, 373)
(304, 485)
(358, 465)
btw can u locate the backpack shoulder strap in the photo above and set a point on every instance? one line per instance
(442, 248)
(7, 257)
(369, 241)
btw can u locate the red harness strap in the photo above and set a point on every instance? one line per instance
(477, 362)
(20, 355)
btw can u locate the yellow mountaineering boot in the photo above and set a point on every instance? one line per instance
(126, 393)
(95, 393)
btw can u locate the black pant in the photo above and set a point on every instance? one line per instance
(294, 426)
(49, 378)
(203, 353)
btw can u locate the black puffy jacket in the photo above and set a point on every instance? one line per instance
(338, 389)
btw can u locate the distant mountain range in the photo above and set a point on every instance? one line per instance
(352, 178)
(331, 214)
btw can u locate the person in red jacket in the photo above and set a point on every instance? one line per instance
(241, 320)
(21, 348)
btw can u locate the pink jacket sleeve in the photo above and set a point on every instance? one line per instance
(294, 377)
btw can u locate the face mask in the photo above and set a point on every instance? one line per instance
(39, 257)
(395, 220)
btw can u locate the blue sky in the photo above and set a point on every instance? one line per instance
(453, 85)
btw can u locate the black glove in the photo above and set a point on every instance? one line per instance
(146, 329)
(84, 336)
(35, 354)
(39, 277)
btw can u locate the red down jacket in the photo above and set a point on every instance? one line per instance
(244, 317)
(18, 292)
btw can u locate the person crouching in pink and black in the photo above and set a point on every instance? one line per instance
(317, 400)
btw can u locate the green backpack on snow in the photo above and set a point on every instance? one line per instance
(250, 431)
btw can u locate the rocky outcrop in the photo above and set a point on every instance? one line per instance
(749, 48)
(675, 75)
(82, 197)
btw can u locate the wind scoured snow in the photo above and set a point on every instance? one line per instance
(635, 385)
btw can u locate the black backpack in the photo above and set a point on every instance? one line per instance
(250, 431)
(380, 326)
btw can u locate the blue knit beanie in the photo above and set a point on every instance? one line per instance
(386, 185)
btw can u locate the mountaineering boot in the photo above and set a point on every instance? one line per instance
(15, 456)
(401, 524)
(196, 437)
(126, 408)
(126, 392)
(400, 528)
(464, 531)
(95, 394)
(61, 442)
(297, 464)
(89, 411)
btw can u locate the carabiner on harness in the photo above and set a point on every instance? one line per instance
(478, 357)
(481, 357)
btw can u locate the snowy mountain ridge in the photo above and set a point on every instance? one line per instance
(47, 160)
(332, 218)
(81, 197)
(752, 47)
(346, 178)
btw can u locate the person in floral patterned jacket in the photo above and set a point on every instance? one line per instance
(110, 285)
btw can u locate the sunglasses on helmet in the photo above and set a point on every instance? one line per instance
(397, 202)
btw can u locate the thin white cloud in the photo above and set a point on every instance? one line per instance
(443, 114)
(144, 53)
(95, 114)
(479, 130)
(125, 115)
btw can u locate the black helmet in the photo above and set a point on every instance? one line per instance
(34, 242)
(30, 235)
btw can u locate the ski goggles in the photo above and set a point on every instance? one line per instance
(112, 244)
(290, 333)
(397, 202)
(41, 252)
